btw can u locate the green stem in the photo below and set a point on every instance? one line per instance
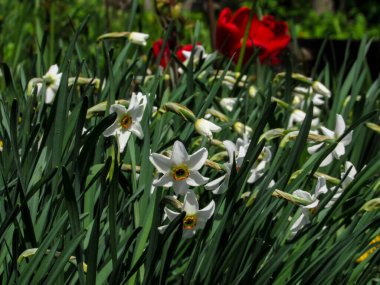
(242, 50)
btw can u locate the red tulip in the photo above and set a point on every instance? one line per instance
(157, 45)
(269, 35)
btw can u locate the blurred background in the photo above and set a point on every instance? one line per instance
(26, 26)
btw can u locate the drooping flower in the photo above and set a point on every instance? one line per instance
(180, 170)
(340, 127)
(206, 128)
(311, 207)
(138, 38)
(128, 120)
(268, 35)
(194, 219)
(235, 151)
(52, 80)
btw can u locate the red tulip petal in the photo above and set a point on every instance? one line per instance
(241, 17)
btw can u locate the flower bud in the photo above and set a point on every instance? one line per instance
(138, 38)
(318, 87)
(180, 110)
(272, 134)
(373, 127)
(215, 113)
(252, 91)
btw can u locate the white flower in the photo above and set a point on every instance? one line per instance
(52, 80)
(297, 116)
(318, 87)
(127, 120)
(339, 150)
(252, 91)
(138, 38)
(206, 128)
(138, 99)
(181, 169)
(300, 93)
(230, 79)
(311, 207)
(228, 103)
(195, 219)
(258, 169)
(242, 129)
(318, 99)
(350, 170)
(199, 53)
(237, 151)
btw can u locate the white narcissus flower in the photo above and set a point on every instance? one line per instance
(195, 219)
(242, 129)
(318, 99)
(339, 150)
(300, 93)
(138, 38)
(206, 128)
(235, 151)
(350, 171)
(228, 103)
(180, 170)
(311, 207)
(127, 120)
(138, 99)
(297, 116)
(52, 80)
(258, 169)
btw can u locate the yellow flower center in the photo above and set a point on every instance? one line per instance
(189, 222)
(180, 172)
(49, 80)
(126, 121)
(1, 145)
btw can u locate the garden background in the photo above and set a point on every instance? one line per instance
(163, 157)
